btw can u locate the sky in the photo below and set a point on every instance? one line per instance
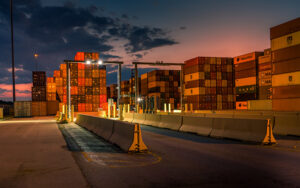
(131, 30)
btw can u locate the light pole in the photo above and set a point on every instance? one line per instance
(99, 62)
(12, 50)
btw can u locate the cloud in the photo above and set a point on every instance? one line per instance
(182, 28)
(22, 90)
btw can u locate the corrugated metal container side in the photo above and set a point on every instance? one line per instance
(245, 66)
(265, 74)
(247, 57)
(245, 81)
(52, 107)
(286, 54)
(291, 39)
(22, 109)
(285, 28)
(286, 79)
(246, 89)
(264, 66)
(265, 82)
(267, 51)
(291, 105)
(245, 73)
(291, 65)
(285, 92)
(39, 108)
(260, 105)
(264, 59)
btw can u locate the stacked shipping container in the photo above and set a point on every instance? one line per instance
(39, 105)
(113, 92)
(88, 83)
(246, 79)
(132, 90)
(125, 94)
(285, 46)
(265, 76)
(208, 83)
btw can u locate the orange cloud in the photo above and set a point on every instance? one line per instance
(21, 90)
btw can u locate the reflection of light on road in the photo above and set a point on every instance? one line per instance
(28, 121)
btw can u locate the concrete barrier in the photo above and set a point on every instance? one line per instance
(152, 119)
(287, 124)
(128, 117)
(199, 125)
(128, 137)
(254, 130)
(171, 122)
(139, 118)
(105, 130)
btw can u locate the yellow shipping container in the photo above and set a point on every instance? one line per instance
(260, 105)
(245, 81)
(224, 83)
(292, 78)
(264, 59)
(212, 60)
(194, 76)
(285, 41)
(229, 68)
(195, 91)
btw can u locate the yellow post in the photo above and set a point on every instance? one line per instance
(186, 108)
(72, 113)
(124, 109)
(191, 105)
(114, 110)
(108, 110)
(170, 110)
(121, 112)
(165, 107)
(66, 112)
(128, 108)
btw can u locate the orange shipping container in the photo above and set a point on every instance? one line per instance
(81, 73)
(95, 73)
(88, 107)
(74, 90)
(59, 82)
(80, 66)
(51, 96)
(50, 80)
(247, 57)
(57, 73)
(51, 88)
(79, 56)
(88, 82)
(63, 66)
(242, 105)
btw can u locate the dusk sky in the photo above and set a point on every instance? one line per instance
(130, 30)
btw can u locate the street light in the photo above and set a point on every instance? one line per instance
(100, 62)
(88, 62)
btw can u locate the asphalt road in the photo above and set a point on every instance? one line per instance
(175, 160)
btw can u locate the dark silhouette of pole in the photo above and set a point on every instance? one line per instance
(12, 51)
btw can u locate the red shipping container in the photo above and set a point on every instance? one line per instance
(81, 66)
(81, 82)
(81, 107)
(103, 99)
(79, 56)
(50, 80)
(65, 99)
(88, 107)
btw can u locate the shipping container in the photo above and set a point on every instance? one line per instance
(285, 28)
(287, 66)
(286, 79)
(264, 59)
(22, 109)
(265, 92)
(39, 78)
(284, 92)
(243, 105)
(286, 104)
(286, 54)
(259, 105)
(247, 57)
(39, 108)
(285, 41)
(52, 107)
(245, 81)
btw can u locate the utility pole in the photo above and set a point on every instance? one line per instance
(12, 51)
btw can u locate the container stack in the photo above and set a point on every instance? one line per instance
(208, 83)
(144, 85)
(246, 78)
(113, 92)
(125, 94)
(162, 85)
(52, 103)
(265, 76)
(87, 82)
(285, 46)
(132, 90)
(39, 105)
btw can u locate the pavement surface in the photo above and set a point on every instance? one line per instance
(36, 155)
